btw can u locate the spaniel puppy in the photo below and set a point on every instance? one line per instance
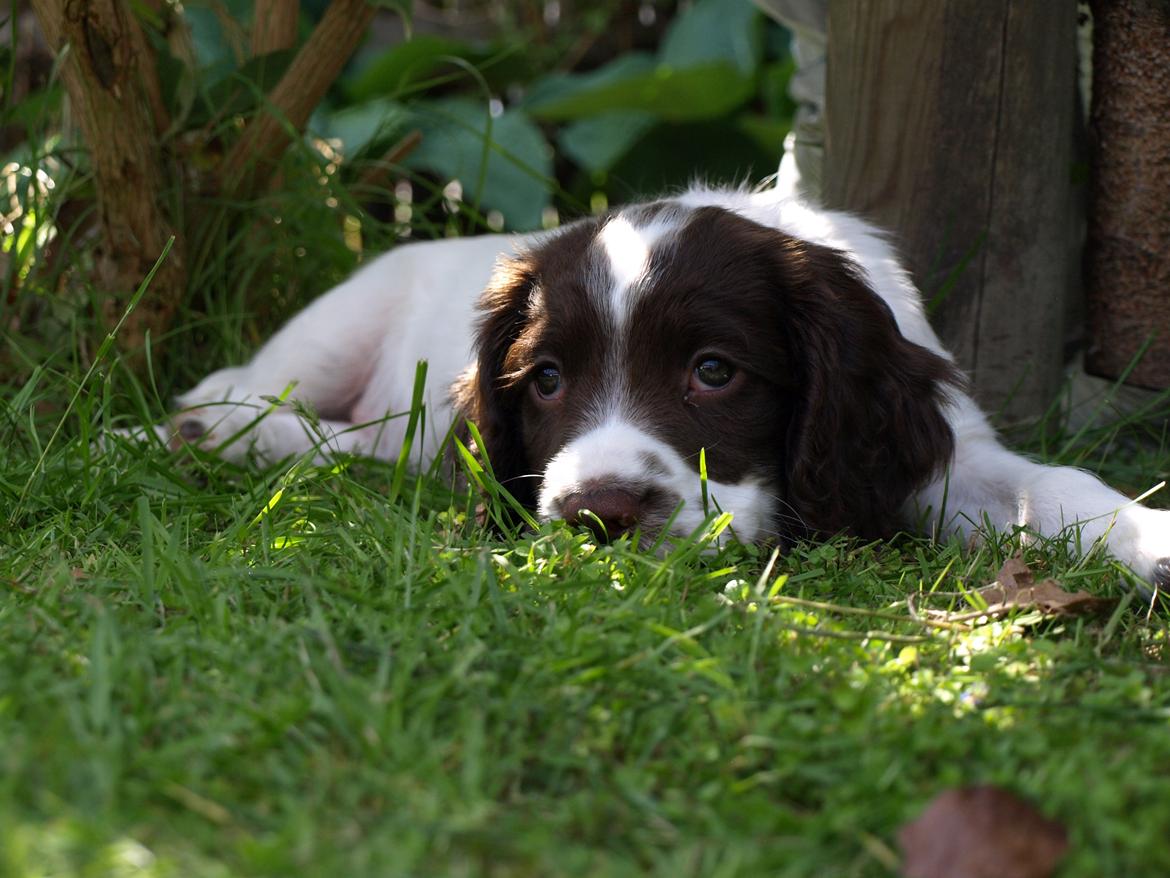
(784, 344)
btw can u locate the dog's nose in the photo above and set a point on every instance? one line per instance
(608, 512)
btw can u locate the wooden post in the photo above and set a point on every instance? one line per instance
(1127, 254)
(949, 122)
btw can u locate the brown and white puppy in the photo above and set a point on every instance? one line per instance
(783, 343)
(610, 358)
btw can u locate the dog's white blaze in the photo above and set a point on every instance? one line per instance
(628, 249)
(615, 453)
(629, 255)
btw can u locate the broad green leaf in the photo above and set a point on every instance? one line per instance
(358, 126)
(558, 87)
(519, 160)
(394, 71)
(208, 24)
(673, 94)
(598, 142)
(715, 30)
(207, 38)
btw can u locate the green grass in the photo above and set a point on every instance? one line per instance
(197, 680)
(305, 670)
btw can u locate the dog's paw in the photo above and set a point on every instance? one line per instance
(1160, 577)
(191, 429)
(218, 414)
(122, 437)
(1141, 538)
(220, 427)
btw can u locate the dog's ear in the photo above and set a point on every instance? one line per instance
(482, 394)
(869, 426)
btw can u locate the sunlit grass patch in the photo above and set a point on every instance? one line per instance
(285, 669)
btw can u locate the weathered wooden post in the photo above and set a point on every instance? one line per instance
(1127, 257)
(949, 123)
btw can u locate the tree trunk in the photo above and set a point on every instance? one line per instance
(113, 90)
(1127, 257)
(949, 123)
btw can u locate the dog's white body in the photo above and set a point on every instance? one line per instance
(357, 347)
(354, 352)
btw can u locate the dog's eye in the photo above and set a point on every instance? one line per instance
(547, 381)
(713, 373)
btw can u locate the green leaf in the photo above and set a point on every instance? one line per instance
(673, 94)
(558, 87)
(416, 411)
(393, 72)
(360, 125)
(773, 88)
(242, 90)
(516, 178)
(213, 49)
(34, 108)
(723, 150)
(705, 68)
(729, 31)
(598, 142)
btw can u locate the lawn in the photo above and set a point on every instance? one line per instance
(305, 670)
(323, 670)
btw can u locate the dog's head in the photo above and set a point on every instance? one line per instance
(612, 354)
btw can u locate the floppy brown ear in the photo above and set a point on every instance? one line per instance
(481, 394)
(870, 426)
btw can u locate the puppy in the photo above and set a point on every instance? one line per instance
(782, 343)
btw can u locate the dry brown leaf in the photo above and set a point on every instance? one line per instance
(981, 832)
(1016, 587)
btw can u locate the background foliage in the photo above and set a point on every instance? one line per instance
(458, 119)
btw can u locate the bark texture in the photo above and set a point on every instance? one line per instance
(1127, 257)
(114, 95)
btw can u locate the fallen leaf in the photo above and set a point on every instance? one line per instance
(1015, 586)
(981, 832)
